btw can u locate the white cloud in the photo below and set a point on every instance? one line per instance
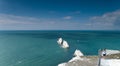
(76, 12)
(12, 22)
(67, 17)
(12, 19)
(21, 22)
(109, 20)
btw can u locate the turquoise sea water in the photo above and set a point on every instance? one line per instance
(39, 48)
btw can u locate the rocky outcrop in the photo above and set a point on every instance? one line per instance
(92, 60)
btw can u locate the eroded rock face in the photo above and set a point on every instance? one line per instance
(82, 63)
(113, 56)
(91, 60)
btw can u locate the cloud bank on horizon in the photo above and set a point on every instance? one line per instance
(107, 21)
(70, 17)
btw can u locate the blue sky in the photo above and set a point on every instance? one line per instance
(59, 15)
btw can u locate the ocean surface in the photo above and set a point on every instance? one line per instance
(40, 48)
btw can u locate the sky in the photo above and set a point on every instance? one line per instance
(59, 14)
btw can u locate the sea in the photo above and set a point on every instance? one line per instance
(40, 48)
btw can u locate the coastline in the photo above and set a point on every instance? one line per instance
(112, 59)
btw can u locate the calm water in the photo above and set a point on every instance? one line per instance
(39, 48)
